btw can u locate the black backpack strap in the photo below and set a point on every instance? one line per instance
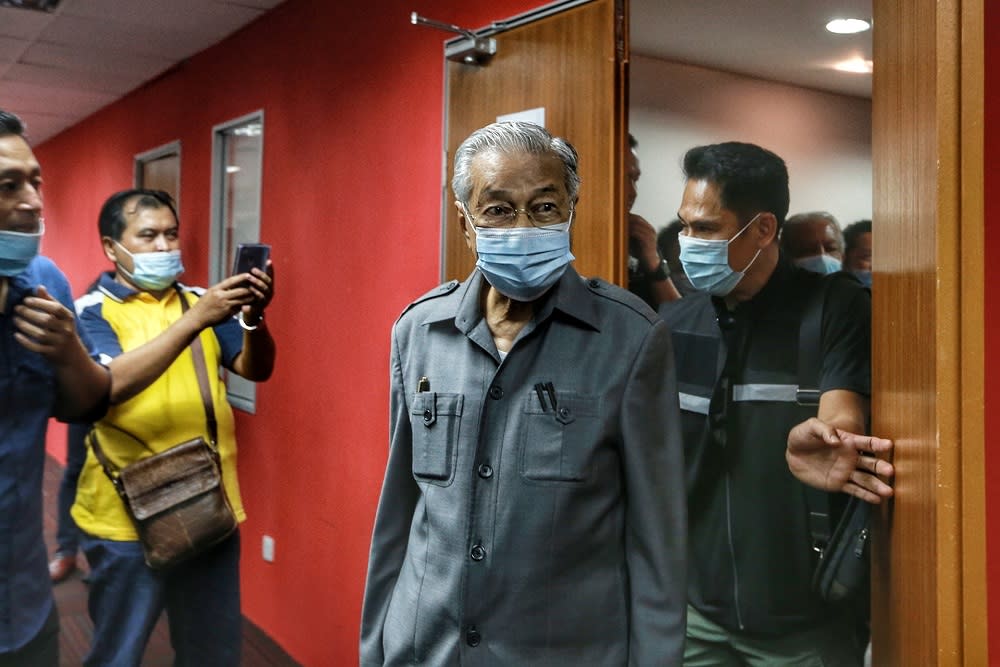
(811, 346)
(810, 363)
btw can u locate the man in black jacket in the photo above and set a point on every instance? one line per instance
(749, 444)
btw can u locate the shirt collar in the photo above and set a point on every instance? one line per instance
(21, 285)
(569, 296)
(775, 289)
(773, 293)
(113, 288)
(120, 292)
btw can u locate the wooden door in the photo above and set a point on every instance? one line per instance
(571, 63)
(929, 602)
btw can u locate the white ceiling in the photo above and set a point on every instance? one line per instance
(779, 40)
(58, 68)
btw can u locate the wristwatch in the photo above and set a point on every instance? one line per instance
(662, 271)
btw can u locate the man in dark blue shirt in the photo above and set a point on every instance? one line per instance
(45, 371)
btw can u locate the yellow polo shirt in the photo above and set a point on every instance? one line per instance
(166, 413)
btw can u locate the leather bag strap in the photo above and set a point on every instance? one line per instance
(201, 370)
(109, 468)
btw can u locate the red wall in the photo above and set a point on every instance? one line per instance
(991, 149)
(352, 97)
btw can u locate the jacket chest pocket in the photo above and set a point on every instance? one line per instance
(558, 444)
(435, 420)
(32, 371)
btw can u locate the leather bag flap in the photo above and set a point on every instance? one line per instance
(159, 482)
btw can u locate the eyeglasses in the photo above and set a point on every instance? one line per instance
(543, 214)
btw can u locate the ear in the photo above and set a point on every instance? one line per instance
(463, 224)
(110, 249)
(767, 230)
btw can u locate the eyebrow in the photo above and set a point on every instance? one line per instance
(500, 194)
(15, 171)
(147, 228)
(702, 221)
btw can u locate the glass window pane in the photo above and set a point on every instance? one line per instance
(236, 217)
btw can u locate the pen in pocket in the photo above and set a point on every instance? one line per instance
(540, 389)
(550, 388)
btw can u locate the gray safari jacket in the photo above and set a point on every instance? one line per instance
(514, 532)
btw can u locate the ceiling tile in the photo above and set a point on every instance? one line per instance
(98, 59)
(94, 33)
(190, 16)
(22, 23)
(40, 98)
(258, 4)
(11, 49)
(116, 83)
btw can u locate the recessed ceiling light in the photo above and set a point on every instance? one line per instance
(855, 66)
(847, 26)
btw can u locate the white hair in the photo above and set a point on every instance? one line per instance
(509, 137)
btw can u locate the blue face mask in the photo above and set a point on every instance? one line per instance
(706, 263)
(17, 249)
(819, 263)
(864, 276)
(153, 271)
(522, 263)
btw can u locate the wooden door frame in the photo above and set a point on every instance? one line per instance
(928, 331)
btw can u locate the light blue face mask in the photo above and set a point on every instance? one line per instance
(153, 271)
(17, 249)
(819, 263)
(522, 263)
(706, 262)
(864, 276)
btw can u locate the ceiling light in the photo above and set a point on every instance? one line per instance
(854, 65)
(248, 130)
(847, 26)
(37, 5)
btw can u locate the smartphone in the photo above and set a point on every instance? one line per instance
(250, 255)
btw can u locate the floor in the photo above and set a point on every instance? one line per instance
(76, 629)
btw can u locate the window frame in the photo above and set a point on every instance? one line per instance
(242, 393)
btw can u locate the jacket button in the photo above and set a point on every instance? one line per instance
(564, 413)
(472, 637)
(478, 552)
(593, 282)
(428, 416)
(485, 470)
(496, 393)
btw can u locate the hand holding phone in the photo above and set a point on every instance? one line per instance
(251, 255)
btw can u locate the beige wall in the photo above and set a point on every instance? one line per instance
(825, 139)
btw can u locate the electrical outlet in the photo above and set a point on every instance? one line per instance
(267, 548)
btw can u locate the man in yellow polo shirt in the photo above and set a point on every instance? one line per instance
(142, 334)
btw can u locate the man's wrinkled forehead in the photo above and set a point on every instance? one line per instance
(495, 171)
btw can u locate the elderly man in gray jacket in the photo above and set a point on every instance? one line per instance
(533, 509)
